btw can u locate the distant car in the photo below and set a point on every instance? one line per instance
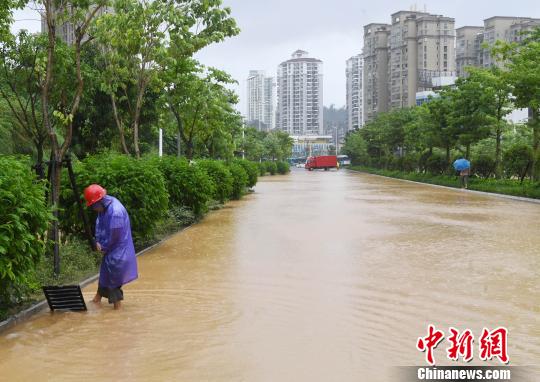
(300, 165)
(343, 160)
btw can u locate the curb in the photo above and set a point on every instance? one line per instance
(41, 305)
(484, 193)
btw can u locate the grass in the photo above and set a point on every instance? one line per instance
(528, 189)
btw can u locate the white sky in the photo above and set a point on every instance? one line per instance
(329, 30)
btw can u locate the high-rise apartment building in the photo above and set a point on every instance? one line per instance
(468, 44)
(408, 56)
(375, 69)
(354, 74)
(260, 100)
(300, 95)
(474, 42)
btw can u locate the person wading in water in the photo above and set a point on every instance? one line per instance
(114, 241)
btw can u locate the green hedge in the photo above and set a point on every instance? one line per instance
(271, 167)
(160, 194)
(283, 167)
(252, 171)
(262, 168)
(188, 184)
(138, 184)
(24, 219)
(514, 187)
(221, 177)
(240, 179)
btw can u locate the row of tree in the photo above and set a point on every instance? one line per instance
(470, 115)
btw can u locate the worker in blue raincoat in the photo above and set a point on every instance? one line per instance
(113, 239)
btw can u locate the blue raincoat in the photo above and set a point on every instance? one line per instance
(113, 233)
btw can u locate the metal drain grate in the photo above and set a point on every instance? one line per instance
(68, 297)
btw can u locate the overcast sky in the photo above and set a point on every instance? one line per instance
(328, 30)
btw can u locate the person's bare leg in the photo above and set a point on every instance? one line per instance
(97, 298)
(117, 305)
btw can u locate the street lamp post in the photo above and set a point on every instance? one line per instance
(337, 151)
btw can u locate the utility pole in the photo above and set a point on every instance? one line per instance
(244, 141)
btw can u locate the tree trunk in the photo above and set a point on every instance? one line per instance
(448, 155)
(189, 150)
(498, 156)
(55, 179)
(178, 145)
(467, 151)
(141, 88)
(119, 125)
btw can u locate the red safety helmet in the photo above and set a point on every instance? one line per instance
(94, 193)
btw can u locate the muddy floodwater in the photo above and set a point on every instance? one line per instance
(317, 276)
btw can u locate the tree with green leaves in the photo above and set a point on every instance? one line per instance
(80, 14)
(140, 37)
(356, 148)
(277, 145)
(469, 113)
(491, 91)
(445, 134)
(200, 104)
(522, 62)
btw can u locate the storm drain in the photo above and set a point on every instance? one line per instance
(67, 297)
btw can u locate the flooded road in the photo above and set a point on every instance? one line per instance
(322, 276)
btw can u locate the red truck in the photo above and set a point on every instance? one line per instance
(325, 161)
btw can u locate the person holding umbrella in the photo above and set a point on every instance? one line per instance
(464, 167)
(114, 241)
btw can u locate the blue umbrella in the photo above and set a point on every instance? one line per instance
(462, 164)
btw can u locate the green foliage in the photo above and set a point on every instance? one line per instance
(356, 148)
(138, 184)
(283, 167)
(184, 216)
(484, 165)
(221, 178)
(78, 263)
(436, 164)
(518, 160)
(523, 74)
(24, 219)
(271, 167)
(240, 180)
(262, 168)
(187, 184)
(527, 189)
(252, 171)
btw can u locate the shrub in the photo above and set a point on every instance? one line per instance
(182, 215)
(262, 168)
(138, 184)
(240, 180)
(283, 167)
(24, 219)
(188, 184)
(220, 176)
(251, 170)
(484, 166)
(78, 262)
(271, 167)
(436, 164)
(517, 160)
